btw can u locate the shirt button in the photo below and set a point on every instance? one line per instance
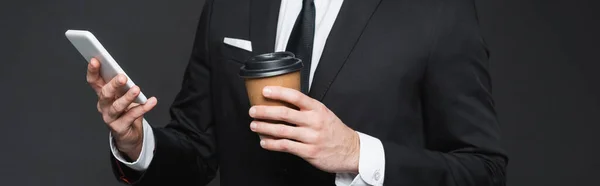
(377, 175)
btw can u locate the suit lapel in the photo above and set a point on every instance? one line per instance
(263, 25)
(348, 26)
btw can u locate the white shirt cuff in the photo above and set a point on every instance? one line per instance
(371, 164)
(142, 163)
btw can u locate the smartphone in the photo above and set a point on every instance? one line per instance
(89, 47)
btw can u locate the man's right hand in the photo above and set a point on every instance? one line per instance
(122, 116)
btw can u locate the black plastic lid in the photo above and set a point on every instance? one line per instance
(270, 64)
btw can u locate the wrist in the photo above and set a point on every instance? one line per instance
(354, 155)
(132, 151)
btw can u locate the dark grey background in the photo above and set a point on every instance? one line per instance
(545, 75)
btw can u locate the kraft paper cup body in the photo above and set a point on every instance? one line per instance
(271, 69)
(254, 87)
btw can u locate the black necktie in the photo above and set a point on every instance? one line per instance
(301, 40)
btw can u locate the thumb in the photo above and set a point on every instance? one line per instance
(136, 113)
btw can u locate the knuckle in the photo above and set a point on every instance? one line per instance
(114, 85)
(315, 137)
(284, 145)
(319, 126)
(323, 118)
(318, 123)
(131, 94)
(284, 113)
(137, 112)
(264, 112)
(104, 94)
(321, 107)
(282, 130)
(312, 152)
(133, 112)
(295, 98)
(115, 81)
(115, 107)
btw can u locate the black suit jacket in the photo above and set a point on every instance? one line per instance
(413, 73)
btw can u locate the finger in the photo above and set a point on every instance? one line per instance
(131, 106)
(110, 90)
(120, 92)
(120, 129)
(138, 111)
(286, 145)
(283, 131)
(138, 123)
(121, 104)
(292, 96)
(278, 113)
(93, 75)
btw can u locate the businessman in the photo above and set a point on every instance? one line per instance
(397, 93)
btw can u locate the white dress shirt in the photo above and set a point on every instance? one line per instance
(371, 166)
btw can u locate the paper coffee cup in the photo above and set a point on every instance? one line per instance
(271, 69)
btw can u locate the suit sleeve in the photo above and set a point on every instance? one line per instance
(185, 151)
(461, 128)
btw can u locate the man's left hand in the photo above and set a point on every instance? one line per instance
(319, 136)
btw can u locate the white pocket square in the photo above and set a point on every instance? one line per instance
(239, 43)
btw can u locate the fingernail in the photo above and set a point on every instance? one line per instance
(253, 125)
(252, 111)
(262, 143)
(267, 91)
